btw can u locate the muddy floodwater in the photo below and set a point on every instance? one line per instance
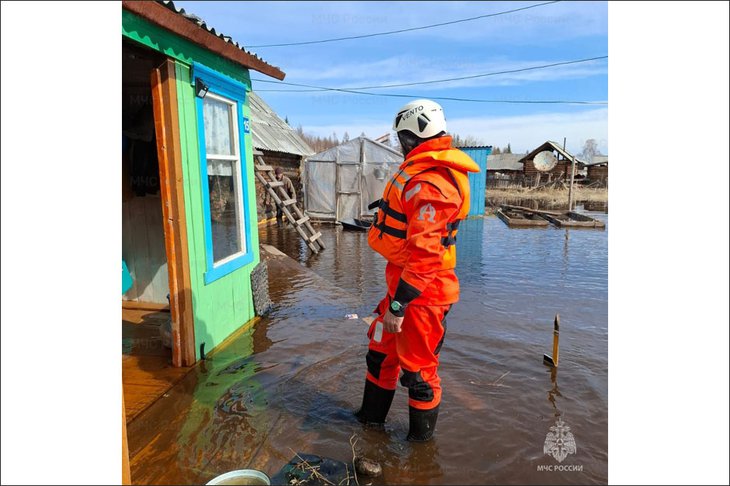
(291, 383)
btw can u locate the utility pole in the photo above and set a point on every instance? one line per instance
(570, 188)
(572, 175)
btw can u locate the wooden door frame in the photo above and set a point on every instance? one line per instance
(126, 471)
(167, 130)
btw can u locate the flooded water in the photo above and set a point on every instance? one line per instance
(304, 368)
(513, 282)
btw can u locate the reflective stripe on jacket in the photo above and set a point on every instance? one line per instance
(418, 217)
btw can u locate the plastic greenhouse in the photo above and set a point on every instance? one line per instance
(342, 181)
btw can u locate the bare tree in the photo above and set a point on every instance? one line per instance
(468, 141)
(590, 148)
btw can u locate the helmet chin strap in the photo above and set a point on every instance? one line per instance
(409, 140)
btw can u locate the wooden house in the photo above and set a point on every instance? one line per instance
(560, 171)
(188, 195)
(280, 144)
(598, 170)
(504, 170)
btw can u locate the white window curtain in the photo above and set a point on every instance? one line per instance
(220, 167)
(217, 117)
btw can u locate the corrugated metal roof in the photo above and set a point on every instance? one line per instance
(269, 132)
(597, 160)
(504, 162)
(201, 23)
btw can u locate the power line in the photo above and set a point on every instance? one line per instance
(444, 98)
(401, 30)
(313, 88)
(434, 81)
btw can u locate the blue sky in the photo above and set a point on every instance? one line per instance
(548, 34)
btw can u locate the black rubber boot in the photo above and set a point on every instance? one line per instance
(421, 424)
(375, 404)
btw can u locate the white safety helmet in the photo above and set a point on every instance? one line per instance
(423, 118)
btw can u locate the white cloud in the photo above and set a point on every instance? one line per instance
(406, 69)
(372, 129)
(305, 21)
(528, 131)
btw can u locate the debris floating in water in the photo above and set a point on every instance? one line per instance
(351, 316)
(368, 467)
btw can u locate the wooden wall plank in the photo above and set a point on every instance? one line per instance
(140, 246)
(187, 327)
(173, 212)
(143, 249)
(159, 286)
(131, 294)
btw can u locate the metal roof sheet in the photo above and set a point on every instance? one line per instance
(504, 162)
(269, 132)
(251, 60)
(597, 160)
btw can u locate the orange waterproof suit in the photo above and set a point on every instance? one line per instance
(415, 230)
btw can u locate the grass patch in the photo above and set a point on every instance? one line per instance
(553, 195)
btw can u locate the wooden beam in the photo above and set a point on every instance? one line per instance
(137, 305)
(126, 472)
(167, 19)
(167, 129)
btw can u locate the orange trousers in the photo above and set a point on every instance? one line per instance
(414, 350)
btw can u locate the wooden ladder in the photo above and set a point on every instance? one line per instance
(277, 192)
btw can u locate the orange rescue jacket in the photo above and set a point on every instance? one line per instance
(417, 221)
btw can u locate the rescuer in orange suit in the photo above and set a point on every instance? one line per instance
(415, 230)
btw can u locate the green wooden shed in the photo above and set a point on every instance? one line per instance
(188, 195)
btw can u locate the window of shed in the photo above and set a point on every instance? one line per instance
(225, 192)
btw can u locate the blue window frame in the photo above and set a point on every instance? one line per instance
(221, 130)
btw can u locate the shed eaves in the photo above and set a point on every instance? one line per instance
(504, 162)
(597, 160)
(550, 145)
(152, 11)
(269, 132)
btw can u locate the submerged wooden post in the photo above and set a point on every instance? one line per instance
(553, 360)
(556, 338)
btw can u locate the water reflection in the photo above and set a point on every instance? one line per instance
(228, 404)
(554, 391)
(495, 415)
(292, 382)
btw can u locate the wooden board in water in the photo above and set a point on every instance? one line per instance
(521, 219)
(355, 225)
(574, 220)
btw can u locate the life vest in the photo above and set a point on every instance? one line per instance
(387, 235)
